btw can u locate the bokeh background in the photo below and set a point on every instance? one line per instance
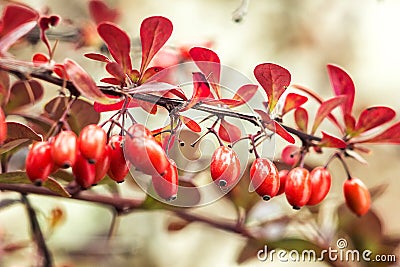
(362, 36)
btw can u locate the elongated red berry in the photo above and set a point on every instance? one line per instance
(63, 149)
(83, 171)
(145, 154)
(39, 163)
(102, 165)
(91, 142)
(282, 181)
(320, 185)
(119, 168)
(264, 178)
(3, 127)
(166, 185)
(225, 167)
(357, 196)
(298, 187)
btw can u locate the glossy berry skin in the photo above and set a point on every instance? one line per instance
(166, 185)
(83, 171)
(3, 127)
(298, 187)
(102, 165)
(139, 130)
(225, 167)
(290, 154)
(39, 163)
(357, 196)
(143, 151)
(119, 168)
(63, 149)
(320, 185)
(282, 181)
(264, 178)
(91, 142)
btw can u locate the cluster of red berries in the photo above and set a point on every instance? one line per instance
(89, 154)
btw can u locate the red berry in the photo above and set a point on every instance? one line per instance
(102, 165)
(357, 196)
(320, 185)
(63, 149)
(119, 168)
(298, 187)
(39, 163)
(264, 178)
(91, 142)
(144, 152)
(139, 130)
(225, 166)
(282, 181)
(290, 154)
(166, 185)
(83, 171)
(3, 127)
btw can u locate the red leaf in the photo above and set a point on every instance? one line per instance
(14, 16)
(228, 102)
(373, 117)
(201, 90)
(115, 70)
(118, 44)
(116, 106)
(179, 93)
(83, 82)
(45, 22)
(325, 109)
(40, 58)
(23, 93)
(9, 39)
(389, 136)
(191, 124)
(147, 106)
(111, 80)
(154, 33)
(244, 94)
(229, 132)
(97, 57)
(331, 141)
(350, 123)
(100, 12)
(209, 64)
(275, 126)
(150, 74)
(274, 79)
(301, 119)
(293, 101)
(342, 84)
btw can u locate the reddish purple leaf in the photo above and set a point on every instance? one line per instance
(154, 33)
(209, 64)
(118, 44)
(115, 70)
(116, 106)
(342, 84)
(14, 16)
(301, 119)
(229, 132)
(228, 102)
(191, 124)
(45, 22)
(244, 94)
(275, 126)
(389, 136)
(293, 101)
(84, 83)
(201, 90)
(331, 141)
(179, 93)
(97, 57)
(9, 39)
(274, 79)
(23, 93)
(100, 12)
(325, 109)
(111, 80)
(373, 117)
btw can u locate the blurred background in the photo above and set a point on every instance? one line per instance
(361, 36)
